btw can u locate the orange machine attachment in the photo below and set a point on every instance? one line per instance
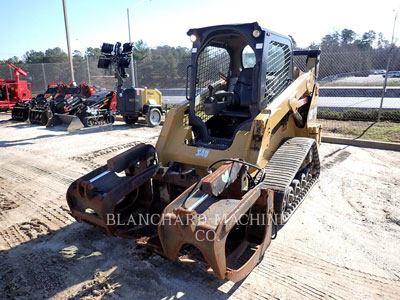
(219, 223)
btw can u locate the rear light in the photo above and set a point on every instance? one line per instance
(302, 102)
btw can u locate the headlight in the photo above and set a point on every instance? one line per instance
(256, 33)
(107, 48)
(193, 38)
(103, 63)
(127, 48)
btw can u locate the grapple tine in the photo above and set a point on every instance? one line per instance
(208, 225)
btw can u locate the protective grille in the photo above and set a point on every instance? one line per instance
(211, 61)
(299, 61)
(277, 70)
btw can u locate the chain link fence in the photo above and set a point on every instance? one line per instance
(352, 102)
(351, 87)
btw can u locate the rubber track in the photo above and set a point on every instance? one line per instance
(286, 162)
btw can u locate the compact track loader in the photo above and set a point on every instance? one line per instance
(64, 108)
(98, 109)
(232, 163)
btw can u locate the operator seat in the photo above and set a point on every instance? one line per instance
(242, 96)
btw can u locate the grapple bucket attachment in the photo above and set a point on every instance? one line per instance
(71, 122)
(107, 200)
(219, 221)
(214, 223)
(20, 112)
(39, 116)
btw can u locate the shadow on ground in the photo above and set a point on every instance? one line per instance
(81, 261)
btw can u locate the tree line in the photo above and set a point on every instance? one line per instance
(57, 55)
(343, 51)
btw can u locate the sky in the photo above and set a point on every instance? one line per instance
(39, 24)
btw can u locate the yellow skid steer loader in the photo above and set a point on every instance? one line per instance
(232, 163)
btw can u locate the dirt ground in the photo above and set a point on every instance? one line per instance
(342, 243)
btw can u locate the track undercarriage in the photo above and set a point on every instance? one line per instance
(99, 119)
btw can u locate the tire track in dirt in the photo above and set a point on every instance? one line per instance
(22, 178)
(6, 203)
(88, 157)
(52, 214)
(31, 197)
(338, 157)
(43, 172)
(314, 278)
(51, 217)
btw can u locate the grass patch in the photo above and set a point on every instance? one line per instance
(366, 130)
(359, 115)
(358, 84)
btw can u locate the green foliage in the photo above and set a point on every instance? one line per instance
(366, 130)
(330, 115)
(49, 56)
(93, 52)
(140, 50)
(347, 36)
(33, 57)
(366, 41)
(381, 42)
(77, 56)
(347, 52)
(13, 60)
(164, 66)
(55, 55)
(357, 114)
(348, 39)
(331, 42)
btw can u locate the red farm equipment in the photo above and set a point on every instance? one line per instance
(14, 90)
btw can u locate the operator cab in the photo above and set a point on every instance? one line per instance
(236, 70)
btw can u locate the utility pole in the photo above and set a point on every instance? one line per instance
(388, 66)
(88, 69)
(130, 41)
(68, 45)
